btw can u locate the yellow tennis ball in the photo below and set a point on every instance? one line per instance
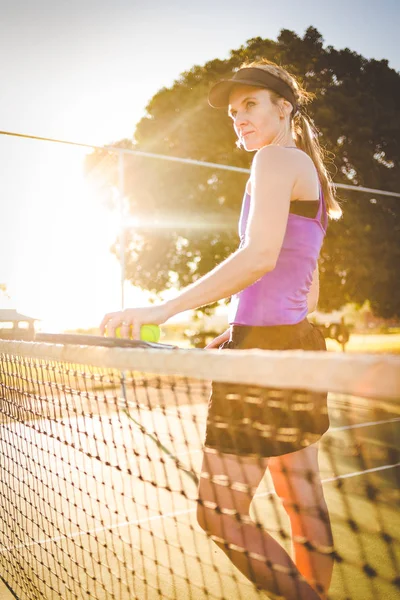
(150, 333)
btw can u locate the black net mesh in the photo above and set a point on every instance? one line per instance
(100, 465)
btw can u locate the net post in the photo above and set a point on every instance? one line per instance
(121, 187)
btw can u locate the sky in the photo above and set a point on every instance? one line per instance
(84, 70)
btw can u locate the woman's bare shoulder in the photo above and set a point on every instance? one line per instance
(290, 157)
(290, 162)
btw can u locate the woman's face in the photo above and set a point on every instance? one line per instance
(256, 120)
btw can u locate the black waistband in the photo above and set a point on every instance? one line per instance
(254, 334)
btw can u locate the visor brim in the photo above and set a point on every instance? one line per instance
(218, 96)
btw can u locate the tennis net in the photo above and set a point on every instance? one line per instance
(101, 450)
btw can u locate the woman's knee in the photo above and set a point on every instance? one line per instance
(212, 516)
(227, 487)
(208, 504)
(201, 515)
(223, 519)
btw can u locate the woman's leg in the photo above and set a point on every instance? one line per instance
(297, 482)
(227, 486)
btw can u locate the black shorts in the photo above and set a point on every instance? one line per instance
(250, 420)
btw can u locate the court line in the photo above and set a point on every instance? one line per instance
(176, 513)
(345, 476)
(369, 424)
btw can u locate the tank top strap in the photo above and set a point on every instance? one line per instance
(322, 215)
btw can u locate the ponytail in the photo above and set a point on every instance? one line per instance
(306, 138)
(304, 131)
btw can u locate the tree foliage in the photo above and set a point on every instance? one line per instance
(186, 215)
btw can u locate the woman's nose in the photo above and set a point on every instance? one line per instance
(239, 119)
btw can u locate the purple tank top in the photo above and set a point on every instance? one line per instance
(280, 296)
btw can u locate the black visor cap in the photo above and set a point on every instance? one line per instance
(260, 78)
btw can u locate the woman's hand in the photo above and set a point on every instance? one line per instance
(131, 319)
(216, 342)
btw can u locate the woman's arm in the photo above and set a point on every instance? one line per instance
(272, 179)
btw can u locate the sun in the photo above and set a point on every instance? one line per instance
(66, 275)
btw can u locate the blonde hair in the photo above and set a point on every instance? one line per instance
(304, 131)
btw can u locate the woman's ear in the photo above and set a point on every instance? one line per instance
(286, 108)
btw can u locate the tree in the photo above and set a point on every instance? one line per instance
(188, 214)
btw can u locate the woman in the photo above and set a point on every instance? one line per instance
(273, 281)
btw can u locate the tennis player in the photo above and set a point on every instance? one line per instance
(272, 280)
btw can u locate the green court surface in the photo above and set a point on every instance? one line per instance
(386, 343)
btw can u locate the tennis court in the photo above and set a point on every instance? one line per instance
(94, 508)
